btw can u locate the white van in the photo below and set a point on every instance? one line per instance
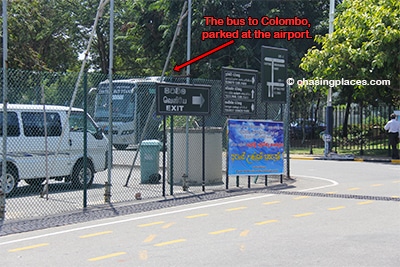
(27, 140)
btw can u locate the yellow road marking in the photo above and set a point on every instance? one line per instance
(143, 255)
(303, 214)
(150, 224)
(337, 208)
(301, 197)
(222, 231)
(353, 189)
(107, 256)
(149, 238)
(95, 234)
(271, 202)
(396, 182)
(168, 225)
(169, 242)
(244, 233)
(196, 216)
(266, 222)
(395, 196)
(331, 193)
(376, 185)
(28, 247)
(365, 202)
(238, 208)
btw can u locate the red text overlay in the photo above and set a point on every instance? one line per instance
(254, 32)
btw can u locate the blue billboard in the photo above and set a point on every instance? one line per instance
(255, 147)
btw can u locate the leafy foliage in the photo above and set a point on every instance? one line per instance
(364, 46)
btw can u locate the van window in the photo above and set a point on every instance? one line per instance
(12, 124)
(33, 123)
(76, 123)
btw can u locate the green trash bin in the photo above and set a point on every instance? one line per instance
(149, 161)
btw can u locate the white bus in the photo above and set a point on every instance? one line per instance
(131, 103)
(31, 129)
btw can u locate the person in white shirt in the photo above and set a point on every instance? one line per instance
(393, 128)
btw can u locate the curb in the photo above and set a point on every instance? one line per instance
(377, 160)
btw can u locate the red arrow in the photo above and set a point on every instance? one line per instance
(178, 68)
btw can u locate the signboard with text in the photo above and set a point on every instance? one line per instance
(183, 99)
(239, 92)
(273, 74)
(255, 147)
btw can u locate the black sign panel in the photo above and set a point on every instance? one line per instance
(273, 74)
(239, 97)
(183, 99)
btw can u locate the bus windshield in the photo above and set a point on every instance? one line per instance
(123, 107)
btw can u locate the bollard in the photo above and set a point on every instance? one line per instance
(107, 192)
(185, 185)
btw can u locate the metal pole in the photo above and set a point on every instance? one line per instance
(203, 159)
(189, 30)
(329, 108)
(110, 108)
(5, 100)
(153, 104)
(85, 140)
(286, 132)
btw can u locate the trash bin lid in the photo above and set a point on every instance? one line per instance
(153, 142)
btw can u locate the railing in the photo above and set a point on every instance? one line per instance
(356, 129)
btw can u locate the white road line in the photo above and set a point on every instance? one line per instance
(333, 183)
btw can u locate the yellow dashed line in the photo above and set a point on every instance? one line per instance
(337, 208)
(301, 197)
(271, 202)
(303, 214)
(143, 255)
(222, 231)
(168, 225)
(149, 238)
(365, 202)
(95, 234)
(266, 222)
(238, 208)
(244, 233)
(150, 224)
(330, 193)
(376, 185)
(28, 247)
(169, 242)
(107, 256)
(353, 189)
(196, 216)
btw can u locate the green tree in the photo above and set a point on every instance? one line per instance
(365, 45)
(39, 36)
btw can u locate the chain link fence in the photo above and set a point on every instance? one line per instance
(46, 170)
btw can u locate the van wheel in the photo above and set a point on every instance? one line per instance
(11, 181)
(78, 177)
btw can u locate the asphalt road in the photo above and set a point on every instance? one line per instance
(336, 214)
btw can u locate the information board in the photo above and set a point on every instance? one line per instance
(183, 99)
(239, 92)
(255, 147)
(273, 74)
